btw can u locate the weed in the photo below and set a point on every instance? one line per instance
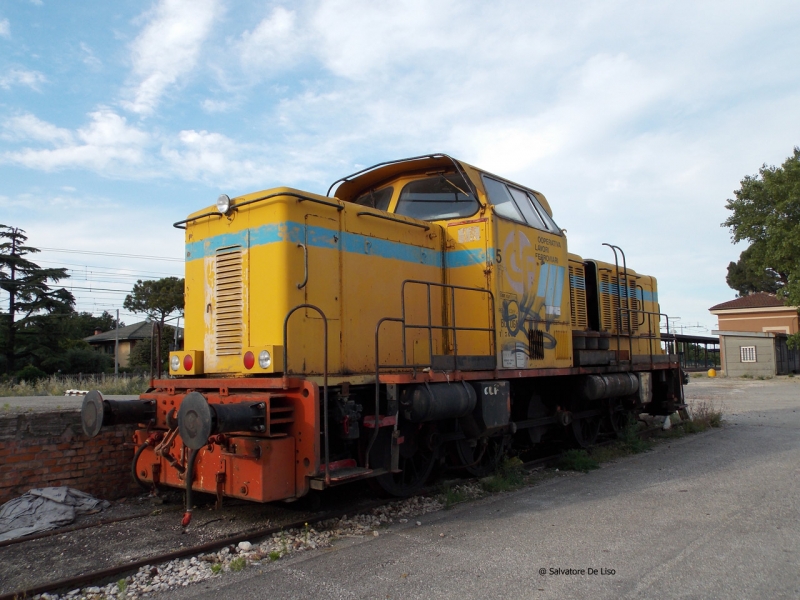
(216, 568)
(790, 375)
(509, 476)
(578, 460)
(746, 376)
(238, 564)
(705, 414)
(274, 555)
(452, 495)
(6, 406)
(122, 585)
(630, 440)
(284, 543)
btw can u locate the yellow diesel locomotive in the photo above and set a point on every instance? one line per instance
(424, 310)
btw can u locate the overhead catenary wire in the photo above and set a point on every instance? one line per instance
(118, 254)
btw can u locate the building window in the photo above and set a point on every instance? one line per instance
(748, 353)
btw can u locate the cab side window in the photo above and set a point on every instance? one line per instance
(518, 205)
(376, 198)
(435, 198)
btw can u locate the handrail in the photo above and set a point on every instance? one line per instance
(335, 205)
(430, 327)
(234, 206)
(324, 380)
(365, 213)
(619, 294)
(300, 286)
(650, 337)
(401, 160)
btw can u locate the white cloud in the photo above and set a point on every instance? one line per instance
(216, 106)
(89, 58)
(32, 79)
(107, 144)
(29, 127)
(274, 43)
(167, 49)
(5, 28)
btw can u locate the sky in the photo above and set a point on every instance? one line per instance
(637, 120)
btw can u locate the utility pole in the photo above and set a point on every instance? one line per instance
(116, 345)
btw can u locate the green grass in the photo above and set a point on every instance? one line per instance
(578, 460)
(238, 564)
(510, 475)
(274, 555)
(122, 585)
(216, 568)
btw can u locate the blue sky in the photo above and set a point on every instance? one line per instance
(636, 120)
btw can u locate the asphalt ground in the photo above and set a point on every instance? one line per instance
(710, 515)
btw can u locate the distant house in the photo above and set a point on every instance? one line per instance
(752, 336)
(129, 337)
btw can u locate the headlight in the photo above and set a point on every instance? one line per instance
(175, 363)
(264, 359)
(224, 204)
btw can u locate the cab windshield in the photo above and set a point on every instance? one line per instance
(435, 198)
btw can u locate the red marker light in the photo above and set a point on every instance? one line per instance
(249, 360)
(187, 362)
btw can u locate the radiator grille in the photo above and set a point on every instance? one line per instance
(577, 297)
(611, 317)
(229, 323)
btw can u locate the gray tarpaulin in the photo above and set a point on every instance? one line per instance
(45, 508)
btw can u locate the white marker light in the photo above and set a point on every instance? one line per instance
(175, 363)
(264, 359)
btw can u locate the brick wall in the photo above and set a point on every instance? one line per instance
(50, 449)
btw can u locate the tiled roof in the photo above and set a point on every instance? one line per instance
(757, 300)
(137, 331)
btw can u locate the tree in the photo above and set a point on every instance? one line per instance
(766, 213)
(748, 276)
(157, 299)
(140, 356)
(29, 294)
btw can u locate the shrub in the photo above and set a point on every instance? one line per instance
(30, 374)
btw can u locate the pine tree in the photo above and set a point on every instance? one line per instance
(28, 289)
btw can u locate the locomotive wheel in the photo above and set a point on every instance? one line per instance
(417, 459)
(537, 410)
(617, 416)
(584, 431)
(480, 457)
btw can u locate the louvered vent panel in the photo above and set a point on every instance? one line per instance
(536, 344)
(609, 302)
(562, 344)
(577, 297)
(228, 291)
(637, 318)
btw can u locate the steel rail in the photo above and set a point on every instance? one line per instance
(80, 580)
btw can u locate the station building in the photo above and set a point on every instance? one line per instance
(753, 331)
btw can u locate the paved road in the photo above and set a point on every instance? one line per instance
(714, 515)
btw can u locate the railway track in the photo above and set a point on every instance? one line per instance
(114, 572)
